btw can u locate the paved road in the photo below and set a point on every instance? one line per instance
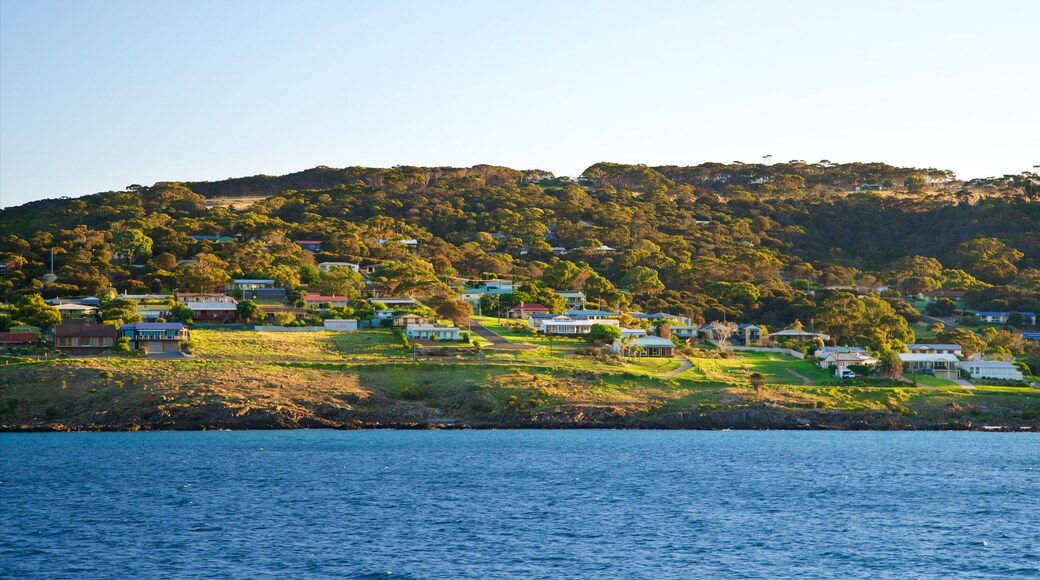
(497, 342)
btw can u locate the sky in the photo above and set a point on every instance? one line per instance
(98, 95)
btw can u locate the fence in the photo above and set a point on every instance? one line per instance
(290, 328)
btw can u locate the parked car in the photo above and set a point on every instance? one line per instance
(844, 374)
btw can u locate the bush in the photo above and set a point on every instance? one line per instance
(188, 347)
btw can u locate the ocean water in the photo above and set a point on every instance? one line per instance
(526, 504)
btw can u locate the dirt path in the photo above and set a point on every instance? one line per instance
(497, 342)
(965, 384)
(805, 380)
(684, 365)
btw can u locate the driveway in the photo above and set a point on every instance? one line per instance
(497, 342)
(964, 383)
(684, 365)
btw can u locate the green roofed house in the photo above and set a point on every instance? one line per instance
(645, 346)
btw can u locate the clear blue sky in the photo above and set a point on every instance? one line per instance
(97, 95)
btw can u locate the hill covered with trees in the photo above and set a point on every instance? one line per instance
(744, 242)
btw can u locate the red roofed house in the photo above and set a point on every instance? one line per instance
(525, 309)
(9, 339)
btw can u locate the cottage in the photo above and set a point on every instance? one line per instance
(525, 309)
(591, 314)
(431, 331)
(84, 337)
(271, 309)
(654, 346)
(840, 360)
(406, 319)
(75, 310)
(661, 316)
(1003, 317)
(12, 339)
(397, 302)
(747, 335)
(942, 366)
(153, 311)
(991, 369)
(326, 266)
(26, 329)
(213, 312)
(250, 284)
(318, 301)
(536, 320)
(574, 300)
(155, 337)
(685, 331)
(799, 335)
(573, 326)
(954, 349)
(637, 332)
(933, 295)
(822, 352)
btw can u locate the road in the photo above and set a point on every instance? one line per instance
(497, 342)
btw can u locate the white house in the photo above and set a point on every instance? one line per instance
(943, 366)
(954, 349)
(991, 369)
(430, 331)
(1002, 317)
(637, 332)
(326, 266)
(574, 300)
(571, 327)
(799, 335)
(341, 324)
(822, 352)
(646, 346)
(840, 360)
(685, 330)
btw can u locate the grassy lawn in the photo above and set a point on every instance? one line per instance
(930, 381)
(295, 346)
(778, 369)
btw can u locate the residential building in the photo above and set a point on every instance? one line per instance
(326, 266)
(1002, 317)
(525, 309)
(674, 319)
(933, 295)
(319, 301)
(310, 245)
(155, 337)
(403, 320)
(271, 309)
(26, 329)
(250, 284)
(823, 351)
(591, 314)
(397, 302)
(840, 360)
(213, 312)
(633, 332)
(653, 346)
(954, 349)
(536, 320)
(12, 339)
(748, 335)
(573, 326)
(991, 369)
(574, 300)
(75, 310)
(153, 311)
(84, 337)
(685, 331)
(799, 335)
(943, 366)
(268, 295)
(189, 297)
(431, 331)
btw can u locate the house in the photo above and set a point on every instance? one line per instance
(406, 319)
(840, 360)
(685, 331)
(75, 310)
(933, 295)
(411, 243)
(221, 312)
(799, 335)
(1034, 336)
(632, 332)
(11, 339)
(954, 349)
(84, 337)
(604, 249)
(943, 366)
(153, 311)
(991, 369)
(1002, 317)
(155, 337)
(573, 326)
(310, 245)
(574, 300)
(318, 301)
(374, 291)
(250, 284)
(525, 309)
(189, 297)
(431, 331)
(368, 269)
(559, 250)
(591, 314)
(271, 309)
(661, 316)
(269, 295)
(326, 266)
(645, 346)
(397, 302)
(536, 320)
(748, 335)
(341, 324)
(494, 286)
(385, 314)
(26, 329)
(823, 351)
(215, 239)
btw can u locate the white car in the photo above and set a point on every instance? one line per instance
(844, 374)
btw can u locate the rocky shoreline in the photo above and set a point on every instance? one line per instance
(746, 418)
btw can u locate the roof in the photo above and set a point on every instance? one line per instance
(590, 313)
(84, 330)
(919, 346)
(308, 241)
(153, 326)
(211, 305)
(850, 357)
(654, 316)
(430, 327)
(1031, 335)
(252, 281)
(571, 294)
(1005, 313)
(529, 306)
(320, 298)
(922, 357)
(395, 300)
(987, 363)
(18, 337)
(75, 307)
(543, 315)
(571, 322)
(794, 332)
(652, 341)
(746, 325)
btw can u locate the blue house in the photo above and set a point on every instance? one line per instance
(155, 337)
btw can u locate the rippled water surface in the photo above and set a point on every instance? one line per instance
(533, 504)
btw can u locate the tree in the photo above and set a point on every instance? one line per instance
(250, 312)
(758, 380)
(721, 332)
(641, 280)
(182, 313)
(457, 311)
(602, 334)
(131, 243)
(205, 273)
(34, 311)
(889, 364)
(340, 282)
(561, 275)
(120, 311)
